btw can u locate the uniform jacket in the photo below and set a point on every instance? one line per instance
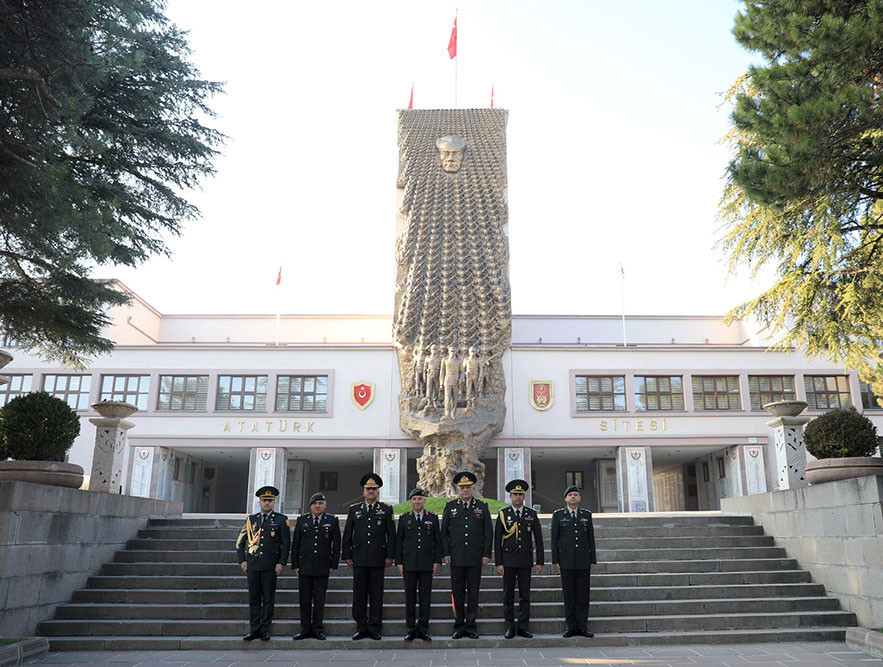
(315, 550)
(573, 542)
(272, 543)
(418, 545)
(369, 541)
(467, 535)
(524, 535)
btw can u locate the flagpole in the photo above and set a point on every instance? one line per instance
(278, 302)
(622, 299)
(457, 59)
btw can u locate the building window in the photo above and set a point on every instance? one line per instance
(659, 392)
(301, 393)
(763, 389)
(132, 389)
(869, 399)
(328, 481)
(716, 392)
(600, 392)
(183, 392)
(573, 478)
(824, 392)
(721, 468)
(18, 385)
(242, 392)
(72, 389)
(705, 475)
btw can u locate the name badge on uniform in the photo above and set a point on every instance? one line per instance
(428, 525)
(478, 512)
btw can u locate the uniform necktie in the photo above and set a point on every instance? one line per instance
(518, 514)
(420, 517)
(370, 509)
(316, 522)
(573, 514)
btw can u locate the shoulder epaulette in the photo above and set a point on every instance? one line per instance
(356, 504)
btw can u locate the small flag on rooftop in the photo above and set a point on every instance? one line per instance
(492, 95)
(452, 42)
(411, 101)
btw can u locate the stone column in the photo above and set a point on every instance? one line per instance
(634, 473)
(110, 444)
(513, 463)
(789, 448)
(266, 467)
(391, 463)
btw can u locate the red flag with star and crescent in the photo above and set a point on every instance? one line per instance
(452, 42)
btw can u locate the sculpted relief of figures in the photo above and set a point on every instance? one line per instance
(452, 318)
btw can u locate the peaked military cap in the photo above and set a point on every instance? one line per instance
(416, 492)
(465, 478)
(371, 481)
(317, 496)
(267, 492)
(570, 489)
(517, 486)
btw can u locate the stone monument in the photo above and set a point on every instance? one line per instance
(453, 309)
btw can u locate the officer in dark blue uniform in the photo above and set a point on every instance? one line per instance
(315, 553)
(418, 555)
(467, 539)
(573, 553)
(369, 540)
(262, 549)
(516, 536)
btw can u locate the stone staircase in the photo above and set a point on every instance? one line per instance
(661, 579)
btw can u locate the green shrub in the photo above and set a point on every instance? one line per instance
(37, 427)
(840, 433)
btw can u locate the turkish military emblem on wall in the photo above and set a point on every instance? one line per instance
(362, 394)
(541, 395)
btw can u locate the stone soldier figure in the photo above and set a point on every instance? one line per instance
(262, 549)
(471, 369)
(369, 539)
(573, 553)
(449, 379)
(418, 554)
(484, 371)
(419, 387)
(431, 367)
(467, 539)
(516, 536)
(315, 553)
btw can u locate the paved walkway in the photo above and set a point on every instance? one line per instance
(809, 653)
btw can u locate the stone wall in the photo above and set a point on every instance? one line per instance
(835, 531)
(52, 539)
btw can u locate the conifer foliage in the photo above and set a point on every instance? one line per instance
(101, 134)
(804, 191)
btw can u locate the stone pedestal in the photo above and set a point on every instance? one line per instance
(391, 463)
(790, 451)
(110, 445)
(513, 463)
(634, 473)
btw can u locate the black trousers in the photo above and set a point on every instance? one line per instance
(311, 594)
(368, 589)
(261, 598)
(414, 580)
(575, 584)
(465, 582)
(511, 575)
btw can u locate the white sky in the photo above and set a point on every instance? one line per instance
(612, 144)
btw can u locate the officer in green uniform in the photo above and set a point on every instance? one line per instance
(516, 535)
(467, 539)
(315, 553)
(573, 553)
(418, 555)
(262, 549)
(369, 540)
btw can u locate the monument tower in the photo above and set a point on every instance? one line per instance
(453, 308)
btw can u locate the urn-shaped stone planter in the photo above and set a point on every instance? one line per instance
(831, 470)
(54, 473)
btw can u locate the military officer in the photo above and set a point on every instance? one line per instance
(573, 553)
(369, 539)
(262, 549)
(418, 555)
(315, 553)
(516, 536)
(467, 539)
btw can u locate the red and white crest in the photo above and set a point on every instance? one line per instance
(541, 394)
(362, 394)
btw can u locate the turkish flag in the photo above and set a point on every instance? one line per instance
(279, 276)
(452, 42)
(411, 101)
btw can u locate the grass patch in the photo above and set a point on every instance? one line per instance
(437, 505)
(7, 642)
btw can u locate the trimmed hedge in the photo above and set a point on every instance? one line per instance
(840, 433)
(37, 427)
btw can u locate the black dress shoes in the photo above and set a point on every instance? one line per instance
(360, 635)
(254, 634)
(472, 634)
(373, 634)
(571, 633)
(412, 635)
(319, 635)
(458, 634)
(586, 633)
(302, 635)
(524, 633)
(265, 636)
(510, 633)
(425, 636)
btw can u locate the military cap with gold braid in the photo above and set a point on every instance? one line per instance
(464, 478)
(371, 481)
(517, 486)
(267, 492)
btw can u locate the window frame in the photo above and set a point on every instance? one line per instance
(814, 404)
(868, 396)
(600, 394)
(574, 478)
(138, 393)
(769, 391)
(82, 395)
(6, 391)
(315, 376)
(243, 392)
(184, 393)
(729, 394)
(658, 393)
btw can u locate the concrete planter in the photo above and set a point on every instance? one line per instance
(832, 470)
(53, 473)
(785, 408)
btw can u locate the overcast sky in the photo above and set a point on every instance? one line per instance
(613, 149)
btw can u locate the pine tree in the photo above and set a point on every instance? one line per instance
(101, 131)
